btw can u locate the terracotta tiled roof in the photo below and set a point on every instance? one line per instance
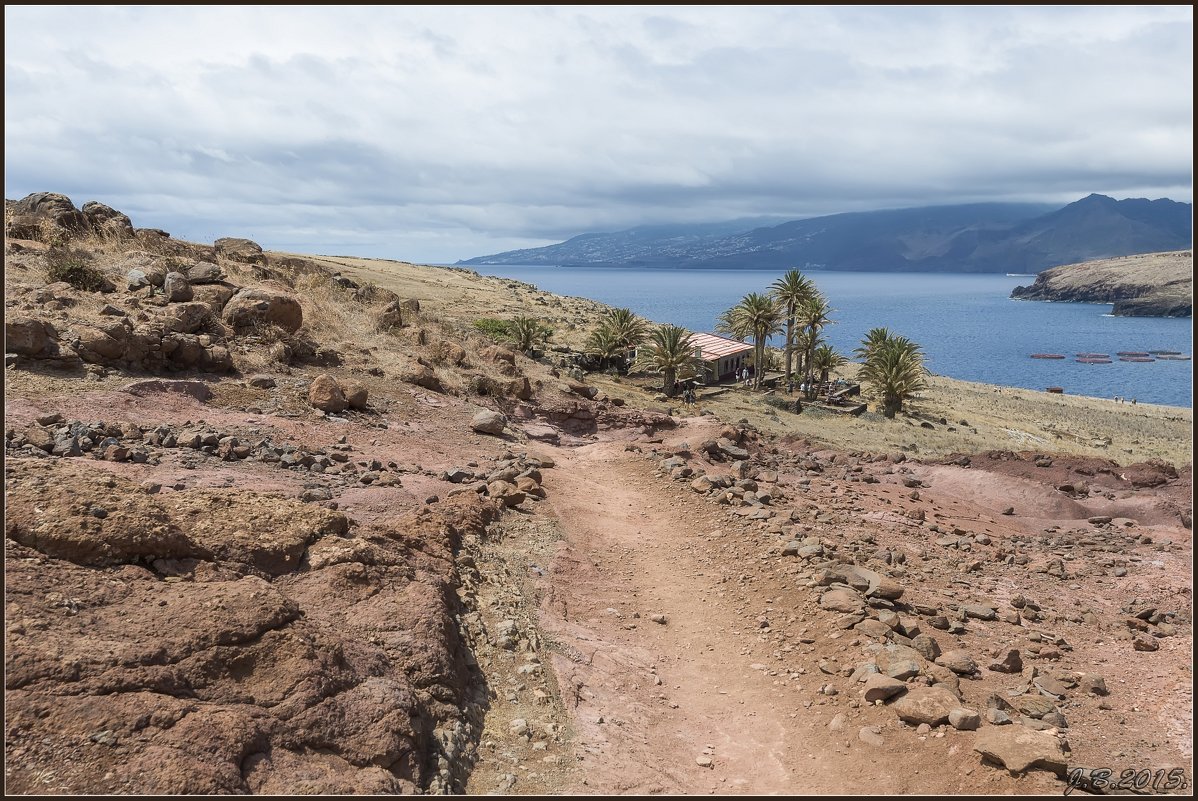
(714, 347)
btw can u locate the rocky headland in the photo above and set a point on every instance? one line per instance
(1148, 285)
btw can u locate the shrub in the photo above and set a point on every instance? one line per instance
(496, 329)
(74, 267)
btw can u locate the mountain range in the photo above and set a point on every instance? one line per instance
(971, 238)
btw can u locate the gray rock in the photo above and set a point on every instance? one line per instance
(1092, 683)
(903, 669)
(1034, 706)
(136, 279)
(997, 717)
(177, 288)
(1019, 749)
(958, 661)
(930, 705)
(842, 601)
(927, 647)
(29, 336)
(881, 688)
(1051, 686)
(979, 611)
(488, 422)
(873, 628)
(871, 735)
(204, 272)
(1055, 719)
(964, 719)
(1011, 662)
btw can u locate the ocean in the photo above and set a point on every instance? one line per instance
(968, 325)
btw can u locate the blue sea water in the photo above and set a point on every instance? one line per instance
(968, 325)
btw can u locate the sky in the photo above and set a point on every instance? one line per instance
(433, 134)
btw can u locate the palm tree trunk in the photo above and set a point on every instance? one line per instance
(758, 358)
(891, 405)
(790, 335)
(670, 377)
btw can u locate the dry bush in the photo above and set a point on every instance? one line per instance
(75, 267)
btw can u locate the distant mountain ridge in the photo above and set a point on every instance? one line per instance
(974, 238)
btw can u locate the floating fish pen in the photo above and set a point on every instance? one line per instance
(1096, 361)
(1132, 353)
(1165, 352)
(1093, 355)
(1136, 359)
(1048, 356)
(1173, 357)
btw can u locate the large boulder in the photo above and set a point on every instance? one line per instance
(183, 350)
(29, 336)
(356, 393)
(840, 600)
(421, 375)
(203, 272)
(325, 394)
(958, 661)
(105, 344)
(450, 352)
(518, 388)
(1019, 749)
(214, 295)
(52, 207)
(930, 705)
(391, 316)
(881, 688)
(186, 318)
(251, 307)
(177, 288)
(107, 221)
(245, 251)
(488, 422)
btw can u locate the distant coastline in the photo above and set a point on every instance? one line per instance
(1147, 285)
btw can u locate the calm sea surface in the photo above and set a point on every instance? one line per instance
(968, 326)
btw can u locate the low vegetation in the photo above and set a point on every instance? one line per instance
(74, 266)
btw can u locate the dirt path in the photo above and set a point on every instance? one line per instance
(632, 548)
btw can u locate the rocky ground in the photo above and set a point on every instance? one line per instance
(374, 552)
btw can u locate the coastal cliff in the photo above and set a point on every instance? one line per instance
(1147, 285)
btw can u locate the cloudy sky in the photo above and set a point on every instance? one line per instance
(439, 133)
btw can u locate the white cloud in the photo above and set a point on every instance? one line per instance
(438, 133)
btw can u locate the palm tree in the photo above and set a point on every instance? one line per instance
(669, 352)
(813, 317)
(896, 371)
(605, 343)
(526, 333)
(792, 290)
(872, 341)
(628, 329)
(826, 360)
(758, 316)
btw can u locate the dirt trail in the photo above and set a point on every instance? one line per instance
(631, 548)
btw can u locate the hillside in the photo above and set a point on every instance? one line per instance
(985, 237)
(287, 525)
(1148, 285)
